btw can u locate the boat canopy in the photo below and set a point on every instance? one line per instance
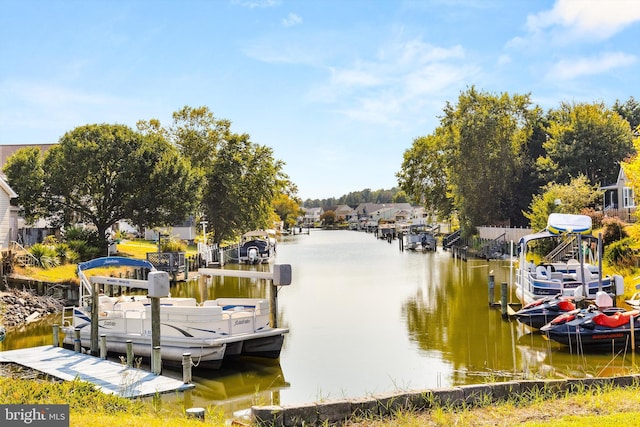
(115, 261)
(558, 224)
(568, 223)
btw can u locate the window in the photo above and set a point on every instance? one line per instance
(627, 198)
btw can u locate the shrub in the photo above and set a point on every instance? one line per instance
(613, 230)
(620, 253)
(173, 246)
(46, 255)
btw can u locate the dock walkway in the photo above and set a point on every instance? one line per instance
(110, 377)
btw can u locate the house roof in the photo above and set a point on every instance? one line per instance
(7, 189)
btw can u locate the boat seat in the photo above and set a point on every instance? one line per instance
(616, 319)
(584, 272)
(541, 272)
(557, 275)
(105, 303)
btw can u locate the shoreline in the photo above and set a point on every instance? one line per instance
(20, 307)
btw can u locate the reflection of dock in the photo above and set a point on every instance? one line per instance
(110, 377)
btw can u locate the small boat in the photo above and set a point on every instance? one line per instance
(542, 311)
(561, 273)
(211, 331)
(258, 246)
(419, 237)
(593, 329)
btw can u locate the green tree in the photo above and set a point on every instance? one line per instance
(630, 110)
(486, 139)
(241, 185)
(26, 177)
(570, 198)
(328, 217)
(586, 139)
(100, 174)
(423, 176)
(287, 209)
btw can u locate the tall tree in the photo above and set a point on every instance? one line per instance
(101, 174)
(630, 110)
(585, 139)
(241, 185)
(26, 177)
(241, 179)
(287, 209)
(486, 147)
(423, 175)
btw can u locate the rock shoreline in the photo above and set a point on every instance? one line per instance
(19, 307)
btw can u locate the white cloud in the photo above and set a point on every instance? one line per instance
(396, 83)
(586, 18)
(291, 20)
(253, 4)
(567, 69)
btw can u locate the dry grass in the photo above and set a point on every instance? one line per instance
(601, 406)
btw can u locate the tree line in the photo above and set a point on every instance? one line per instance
(493, 156)
(155, 176)
(354, 198)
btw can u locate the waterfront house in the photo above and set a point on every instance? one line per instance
(8, 215)
(619, 199)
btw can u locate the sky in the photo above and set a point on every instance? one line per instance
(339, 89)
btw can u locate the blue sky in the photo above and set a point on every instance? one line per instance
(338, 88)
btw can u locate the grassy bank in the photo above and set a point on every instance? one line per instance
(601, 405)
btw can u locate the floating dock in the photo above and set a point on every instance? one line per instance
(110, 377)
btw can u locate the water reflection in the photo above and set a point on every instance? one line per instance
(367, 318)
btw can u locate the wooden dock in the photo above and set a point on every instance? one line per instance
(110, 377)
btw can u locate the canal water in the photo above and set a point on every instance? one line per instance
(366, 318)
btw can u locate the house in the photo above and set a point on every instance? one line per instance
(344, 213)
(8, 215)
(619, 199)
(311, 216)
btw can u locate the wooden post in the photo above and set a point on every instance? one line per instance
(503, 298)
(155, 322)
(633, 333)
(76, 340)
(103, 346)
(56, 335)
(491, 288)
(186, 269)
(197, 413)
(186, 368)
(274, 305)
(129, 353)
(94, 319)
(156, 361)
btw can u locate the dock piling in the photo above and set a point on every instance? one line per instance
(156, 360)
(186, 368)
(503, 298)
(491, 288)
(197, 413)
(103, 346)
(76, 340)
(56, 335)
(129, 353)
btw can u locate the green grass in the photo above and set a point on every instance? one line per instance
(603, 406)
(130, 248)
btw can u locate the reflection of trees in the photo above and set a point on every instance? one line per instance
(212, 287)
(451, 315)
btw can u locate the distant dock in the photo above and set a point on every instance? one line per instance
(110, 377)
